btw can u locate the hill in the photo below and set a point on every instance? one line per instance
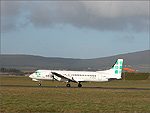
(139, 61)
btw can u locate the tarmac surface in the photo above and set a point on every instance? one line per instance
(76, 87)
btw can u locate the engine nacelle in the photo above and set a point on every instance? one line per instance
(35, 80)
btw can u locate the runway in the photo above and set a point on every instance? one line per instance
(76, 87)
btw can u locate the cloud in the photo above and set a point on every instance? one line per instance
(100, 15)
(41, 15)
(13, 15)
(112, 16)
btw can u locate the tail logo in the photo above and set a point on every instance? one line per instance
(118, 66)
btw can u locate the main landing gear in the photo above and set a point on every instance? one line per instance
(79, 85)
(68, 85)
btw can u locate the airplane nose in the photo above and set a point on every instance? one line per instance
(30, 76)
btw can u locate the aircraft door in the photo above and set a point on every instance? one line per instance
(99, 76)
(104, 77)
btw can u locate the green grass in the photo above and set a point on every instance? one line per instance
(115, 96)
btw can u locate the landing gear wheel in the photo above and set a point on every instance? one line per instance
(39, 84)
(68, 85)
(79, 85)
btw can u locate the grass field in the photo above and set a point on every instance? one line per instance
(20, 94)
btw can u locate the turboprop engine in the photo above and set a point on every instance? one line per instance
(35, 80)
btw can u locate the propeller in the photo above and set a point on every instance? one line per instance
(53, 78)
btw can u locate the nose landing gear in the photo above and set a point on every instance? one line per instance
(40, 83)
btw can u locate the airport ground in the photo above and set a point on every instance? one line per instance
(21, 94)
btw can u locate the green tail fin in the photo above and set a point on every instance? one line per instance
(116, 69)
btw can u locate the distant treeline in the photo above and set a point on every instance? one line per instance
(136, 76)
(4, 70)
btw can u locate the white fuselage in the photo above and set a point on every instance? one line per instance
(84, 76)
(72, 75)
(80, 76)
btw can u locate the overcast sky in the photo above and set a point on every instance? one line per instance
(85, 29)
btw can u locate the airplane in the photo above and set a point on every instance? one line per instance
(79, 76)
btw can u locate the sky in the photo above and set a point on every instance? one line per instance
(74, 29)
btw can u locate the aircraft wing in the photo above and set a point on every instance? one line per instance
(64, 77)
